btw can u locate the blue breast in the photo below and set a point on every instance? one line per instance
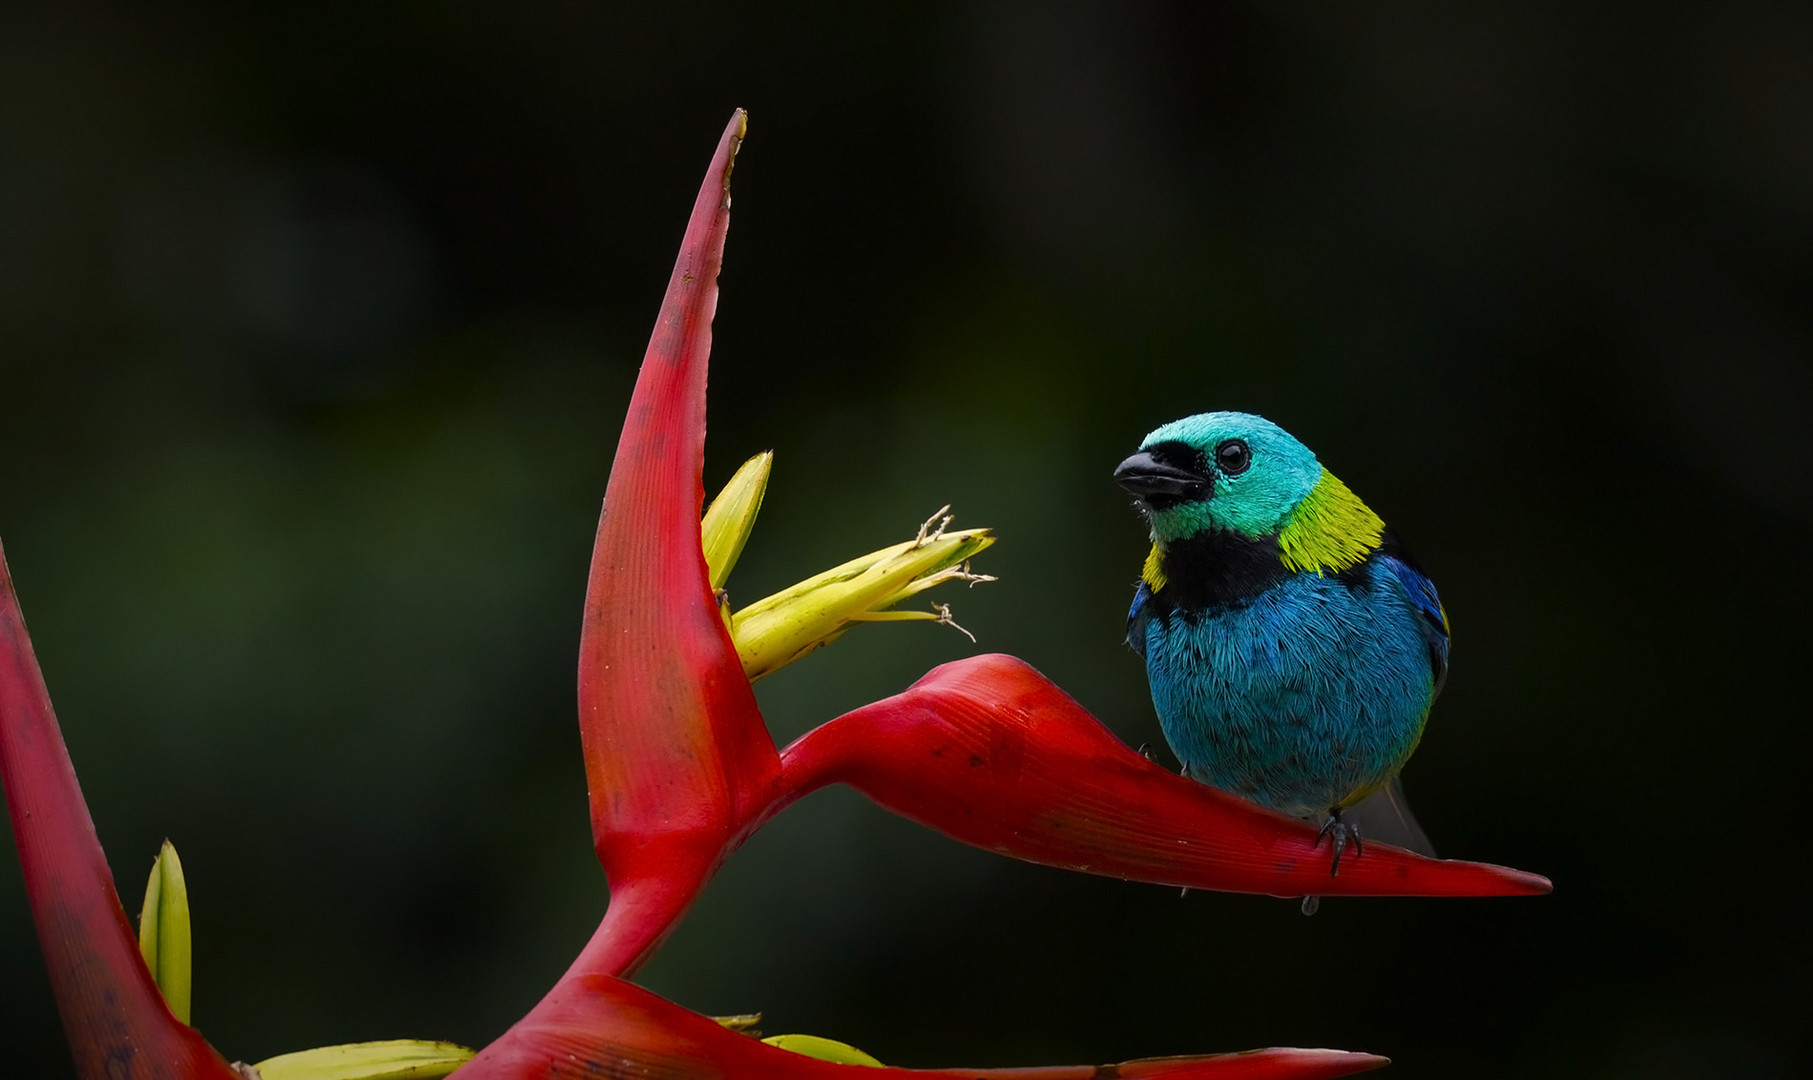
(1302, 698)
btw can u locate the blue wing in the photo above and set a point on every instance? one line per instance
(1137, 616)
(1428, 604)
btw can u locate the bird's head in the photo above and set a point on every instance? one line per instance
(1219, 471)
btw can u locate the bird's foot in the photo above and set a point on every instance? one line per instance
(1311, 904)
(1339, 833)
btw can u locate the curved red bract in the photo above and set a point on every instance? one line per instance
(990, 752)
(116, 1020)
(677, 756)
(597, 1026)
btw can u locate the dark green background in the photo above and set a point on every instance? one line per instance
(317, 322)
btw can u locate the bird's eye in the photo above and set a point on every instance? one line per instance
(1233, 456)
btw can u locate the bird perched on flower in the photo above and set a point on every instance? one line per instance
(1292, 645)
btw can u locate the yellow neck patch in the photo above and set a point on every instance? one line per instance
(1329, 531)
(1154, 572)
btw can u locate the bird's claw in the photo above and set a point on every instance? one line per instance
(1339, 833)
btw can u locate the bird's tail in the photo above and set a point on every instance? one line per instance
(1385, 816)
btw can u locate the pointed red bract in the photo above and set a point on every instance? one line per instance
(990, 752)
(600, 1026)
(677, 756)
(116, 1020)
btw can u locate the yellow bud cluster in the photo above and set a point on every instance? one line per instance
(779, 629)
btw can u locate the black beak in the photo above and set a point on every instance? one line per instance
(1159, 485)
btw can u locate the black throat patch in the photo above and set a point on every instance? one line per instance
(1216, 570)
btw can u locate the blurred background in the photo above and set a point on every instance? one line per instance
(318, 321)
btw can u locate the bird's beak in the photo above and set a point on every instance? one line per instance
(1158, 484)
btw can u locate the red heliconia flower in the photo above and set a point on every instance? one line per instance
(985, 750)
(681, 769)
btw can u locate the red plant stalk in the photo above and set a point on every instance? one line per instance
(115, 1018)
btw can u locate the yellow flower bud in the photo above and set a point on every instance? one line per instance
(163, 931)
(731, 516)
(392, 1059)
(822, 1049)
(779, 629)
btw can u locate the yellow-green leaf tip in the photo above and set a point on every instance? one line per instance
(731, 516)
(822, 1049)
(392, 1059)
(163, 931)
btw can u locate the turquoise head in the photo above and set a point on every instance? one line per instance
(1227, 471)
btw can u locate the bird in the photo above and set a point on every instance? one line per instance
(1292, 644)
